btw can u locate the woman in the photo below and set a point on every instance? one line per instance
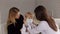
(13, 24)
(47, 24)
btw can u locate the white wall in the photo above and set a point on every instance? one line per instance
(5, 5)
(0, 22)
(57, 20)
(51, 5)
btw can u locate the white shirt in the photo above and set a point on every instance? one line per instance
(23, 30)
(29, 24)
(44, 28)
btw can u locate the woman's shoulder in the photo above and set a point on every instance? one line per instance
(44, 23)
(10, 25)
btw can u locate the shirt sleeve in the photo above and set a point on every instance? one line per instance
(42, 26)
(20, 22)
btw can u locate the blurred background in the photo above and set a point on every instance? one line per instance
(53, 7)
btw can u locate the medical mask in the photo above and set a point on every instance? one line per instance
(29, 20)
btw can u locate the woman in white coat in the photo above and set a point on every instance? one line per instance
(47, 24)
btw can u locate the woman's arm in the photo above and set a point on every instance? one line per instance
(42, 26)
(20, 22)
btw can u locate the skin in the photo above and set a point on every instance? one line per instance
(18, 15)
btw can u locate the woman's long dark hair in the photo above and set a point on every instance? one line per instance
(41, 14)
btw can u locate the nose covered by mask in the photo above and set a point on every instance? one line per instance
(29, 20)
(30, 23)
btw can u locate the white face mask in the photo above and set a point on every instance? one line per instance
(29, 20)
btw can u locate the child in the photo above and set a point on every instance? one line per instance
(29, 21)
